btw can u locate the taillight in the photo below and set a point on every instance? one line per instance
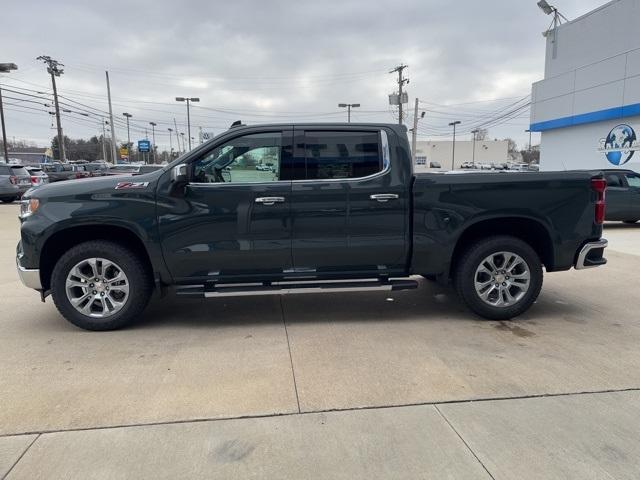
(13, 180)
(599, 185)
(34, 180)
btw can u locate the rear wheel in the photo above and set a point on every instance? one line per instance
(499, 277)
(100, 285)
(7, 199)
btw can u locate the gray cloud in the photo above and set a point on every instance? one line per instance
(274, 60)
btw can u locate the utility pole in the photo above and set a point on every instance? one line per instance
(104, 147)
(183, 144)
(188, 100)
(5, 68)
(128, 115)
(453, 155)
(170, 144)
(401, 81)
(53, 68)
(114, 153)
(473, 154)
(529, 131)
(414, 131)
(153, 138)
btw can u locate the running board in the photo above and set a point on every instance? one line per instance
(287, 288)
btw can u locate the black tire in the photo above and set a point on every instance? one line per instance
(464, 276)
(139, 277)
(8, 199)
(631, 222)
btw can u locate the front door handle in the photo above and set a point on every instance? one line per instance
(269, 200)
(383, 197)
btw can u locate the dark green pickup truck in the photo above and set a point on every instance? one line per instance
(275, 209)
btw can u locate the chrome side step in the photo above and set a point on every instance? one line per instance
(288, 288)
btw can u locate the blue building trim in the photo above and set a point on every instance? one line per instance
(591, 117)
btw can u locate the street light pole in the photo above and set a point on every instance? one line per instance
(153, 138)
(349, 106)
(5, 68)
(188, 100)
(473, 155)
(453, 155)
(128, 116)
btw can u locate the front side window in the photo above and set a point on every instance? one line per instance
(633, 180)
(254, 158)
(335, 155)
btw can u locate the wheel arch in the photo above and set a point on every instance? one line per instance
(527, 229)
(62, 240)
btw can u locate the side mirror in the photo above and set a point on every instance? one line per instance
(179, 175)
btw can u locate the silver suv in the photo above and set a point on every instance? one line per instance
(14, 181)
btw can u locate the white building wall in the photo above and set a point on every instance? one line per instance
(591, 86)
(486, 151)
(580, 147)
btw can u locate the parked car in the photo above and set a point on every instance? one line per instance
(623, 195)
(58, 171)
(96, 169)
(343, 212)
(80, 171)
(38, 177)
(14, 182)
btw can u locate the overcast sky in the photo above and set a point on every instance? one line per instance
(266, 61)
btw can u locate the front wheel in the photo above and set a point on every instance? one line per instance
(100, 285)
(499, 277)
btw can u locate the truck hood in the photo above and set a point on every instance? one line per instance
(88, 186)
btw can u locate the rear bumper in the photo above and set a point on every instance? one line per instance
(30, 277)
(591, 255)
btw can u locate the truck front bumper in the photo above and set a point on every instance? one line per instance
(592, 255)
(30, 277)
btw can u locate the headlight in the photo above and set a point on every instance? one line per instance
(28, 206)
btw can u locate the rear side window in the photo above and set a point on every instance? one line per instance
(633, 180)
(19, 171)
(613, 180)
(4, 170)
(334, 155)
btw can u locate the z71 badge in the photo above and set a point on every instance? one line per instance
(126, 185)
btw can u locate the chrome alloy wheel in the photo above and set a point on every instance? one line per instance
(502, 279)
(97, 287)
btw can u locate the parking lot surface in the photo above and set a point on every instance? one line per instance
(347, 385)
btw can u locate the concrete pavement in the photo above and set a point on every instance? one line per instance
(267, 358)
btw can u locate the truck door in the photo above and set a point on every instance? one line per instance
(233, 219)
(349, 203)
(617, 197)
(633, 181)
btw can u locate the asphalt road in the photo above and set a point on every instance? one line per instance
(347, 385)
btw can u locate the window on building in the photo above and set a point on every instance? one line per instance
(342, 154)
(421, 160)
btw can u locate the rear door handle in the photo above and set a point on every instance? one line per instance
(383, 197)
(269, 200)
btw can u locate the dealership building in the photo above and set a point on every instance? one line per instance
(587, 107)
(436, 155)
